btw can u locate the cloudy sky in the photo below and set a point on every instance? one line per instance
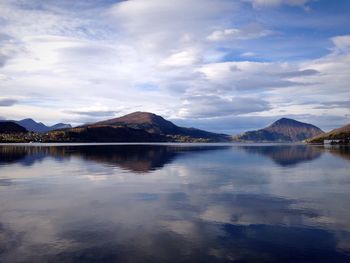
(222, 65)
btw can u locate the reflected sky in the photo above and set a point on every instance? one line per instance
(175, 203)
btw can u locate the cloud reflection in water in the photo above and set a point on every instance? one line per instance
(174, 204)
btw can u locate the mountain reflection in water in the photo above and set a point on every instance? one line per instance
(136, 158)
(286, 155)
(174, 203)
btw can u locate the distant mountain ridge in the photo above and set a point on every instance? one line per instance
(342, 133)
(283, 130)
(34, 126)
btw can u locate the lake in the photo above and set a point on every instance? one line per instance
(174, 203)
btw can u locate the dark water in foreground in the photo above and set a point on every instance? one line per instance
(166, 203)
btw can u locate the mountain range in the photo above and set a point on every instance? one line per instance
(34, 126)
(149, 127)
(282, 130)
(145, 126)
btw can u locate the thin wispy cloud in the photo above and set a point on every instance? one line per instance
(274, 3)
(190, 61)
(7, 102)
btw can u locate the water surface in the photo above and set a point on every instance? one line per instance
(174, 203)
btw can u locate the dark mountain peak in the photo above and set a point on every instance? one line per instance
(284, 129)
(142, 117)
(28, 120)
(142, 120)
(287, 121)
(32, 125)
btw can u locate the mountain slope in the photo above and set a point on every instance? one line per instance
(283, 130)
(156, 124)
(34, 126)
(60, 126)
(102, 133)
(11, 127)
(336, 134)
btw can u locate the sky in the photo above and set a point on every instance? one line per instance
(221, 65)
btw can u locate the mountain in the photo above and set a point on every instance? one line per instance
(156, 124)
(34, 126)
(336, 134)
(150, 122)
(283, 130)
(10, 127)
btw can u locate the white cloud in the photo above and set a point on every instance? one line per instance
(180, 59)
(342, 43)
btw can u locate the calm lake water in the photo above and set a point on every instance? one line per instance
(174, 203)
